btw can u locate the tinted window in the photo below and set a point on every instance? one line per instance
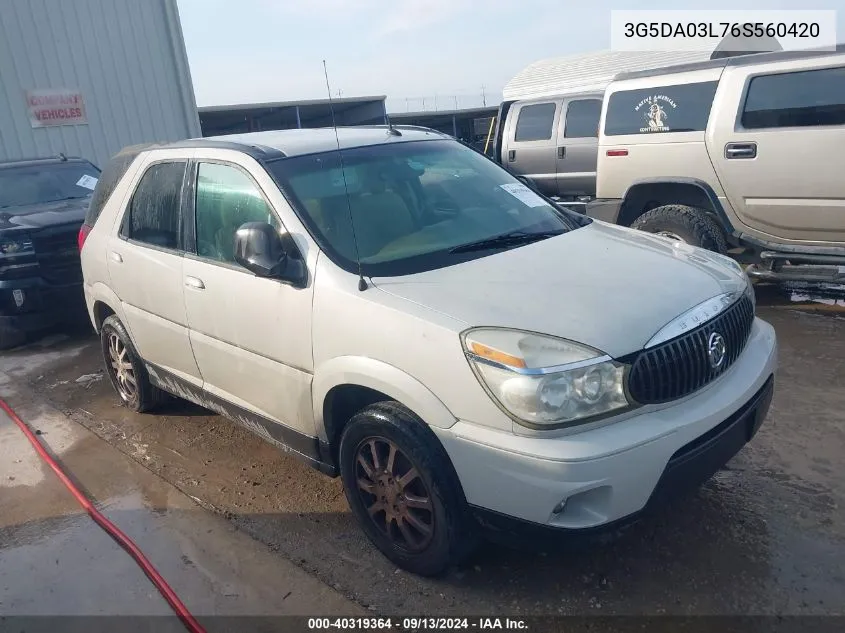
(411, 203)
(807, 98)
(108, 180)
(582, 119)
(535, 122)
(44, 183)
(226, 199)
(681, 108)
(153, 215)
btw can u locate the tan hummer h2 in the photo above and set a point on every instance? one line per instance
(736, 152)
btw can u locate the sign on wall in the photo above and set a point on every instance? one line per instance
(55, 107)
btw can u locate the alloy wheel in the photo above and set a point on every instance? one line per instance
(394, 494)
(124, 372)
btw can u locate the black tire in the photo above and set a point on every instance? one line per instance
(11, 337)
(452, 537)
(692, 225)
(145, 396)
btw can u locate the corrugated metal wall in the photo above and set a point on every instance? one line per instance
(126, 57)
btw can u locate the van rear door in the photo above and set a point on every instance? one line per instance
(530, 147)
(577, 146)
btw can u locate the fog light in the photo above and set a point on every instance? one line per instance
(18, 296)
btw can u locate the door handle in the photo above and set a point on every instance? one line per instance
(741, 150)
(512, 155)
(561, 152)
(116, 257)
(195, 283)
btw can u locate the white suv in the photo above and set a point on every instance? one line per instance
(396, 309)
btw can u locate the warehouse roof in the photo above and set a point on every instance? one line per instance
(591, 72)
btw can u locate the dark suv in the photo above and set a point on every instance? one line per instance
(42, 205)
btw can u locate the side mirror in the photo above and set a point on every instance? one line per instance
(259, 248)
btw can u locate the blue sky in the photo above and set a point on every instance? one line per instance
(271, 50)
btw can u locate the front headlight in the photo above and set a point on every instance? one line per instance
(543, 381)
(15, 247)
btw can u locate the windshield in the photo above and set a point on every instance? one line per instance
(49, 182)
(414, 204)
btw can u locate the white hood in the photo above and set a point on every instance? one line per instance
(602, 285)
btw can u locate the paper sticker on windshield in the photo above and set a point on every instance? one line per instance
(89, 182)
(524, 195)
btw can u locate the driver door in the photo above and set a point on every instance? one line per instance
(251, 336)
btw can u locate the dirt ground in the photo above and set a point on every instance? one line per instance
(765, 536)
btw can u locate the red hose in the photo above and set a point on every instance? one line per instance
(115, 532)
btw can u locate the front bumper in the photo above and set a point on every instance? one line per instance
(601, 477)
(42, 305)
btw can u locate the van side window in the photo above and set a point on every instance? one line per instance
(154, 211)
(799, 99)
(582, 119)
(661, 109)
(535, 122)
(226, 198)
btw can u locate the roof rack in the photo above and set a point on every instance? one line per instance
(255, 150)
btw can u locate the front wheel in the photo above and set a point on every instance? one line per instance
(685, 224)
(403, 490)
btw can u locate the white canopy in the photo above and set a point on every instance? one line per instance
(591, 72)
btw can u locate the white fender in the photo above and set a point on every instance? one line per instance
(375, 374)
(101, 292)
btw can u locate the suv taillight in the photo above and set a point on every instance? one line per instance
(84, 230)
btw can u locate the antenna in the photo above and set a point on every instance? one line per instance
(362, 284)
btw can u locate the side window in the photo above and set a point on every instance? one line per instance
(535, 122)
(582, 119)
(679, 108)
(226, 198)
(153, 215)
(800, 99)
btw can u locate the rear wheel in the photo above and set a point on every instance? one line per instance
(403, 490)
(126, 369)
(684, 224)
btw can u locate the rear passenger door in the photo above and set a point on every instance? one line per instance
(777, 154)
(532, 142)
(577, 147)
(145, 256)
(251, 336)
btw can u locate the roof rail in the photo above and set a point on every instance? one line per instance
(255, 150)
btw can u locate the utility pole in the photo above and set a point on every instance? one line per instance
(456, 102)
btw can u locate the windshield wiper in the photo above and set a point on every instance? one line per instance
(513, 238)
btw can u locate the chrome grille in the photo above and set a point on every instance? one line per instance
(682, 366)
(58, 255)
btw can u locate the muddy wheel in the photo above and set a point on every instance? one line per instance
(125, 368)
(11, 337)
(403, 490)
(685, 224)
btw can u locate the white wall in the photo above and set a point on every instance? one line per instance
(126, 57)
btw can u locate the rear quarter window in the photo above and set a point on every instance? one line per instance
(661, 109)
(110, 176)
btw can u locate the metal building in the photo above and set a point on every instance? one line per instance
(470, 125)
(89, 77)
(284, 115)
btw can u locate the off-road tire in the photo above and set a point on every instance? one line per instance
(147, 396)
(11, 337)
(692, 225)
(454, 531)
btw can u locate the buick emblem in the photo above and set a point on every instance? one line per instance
(716, 350)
